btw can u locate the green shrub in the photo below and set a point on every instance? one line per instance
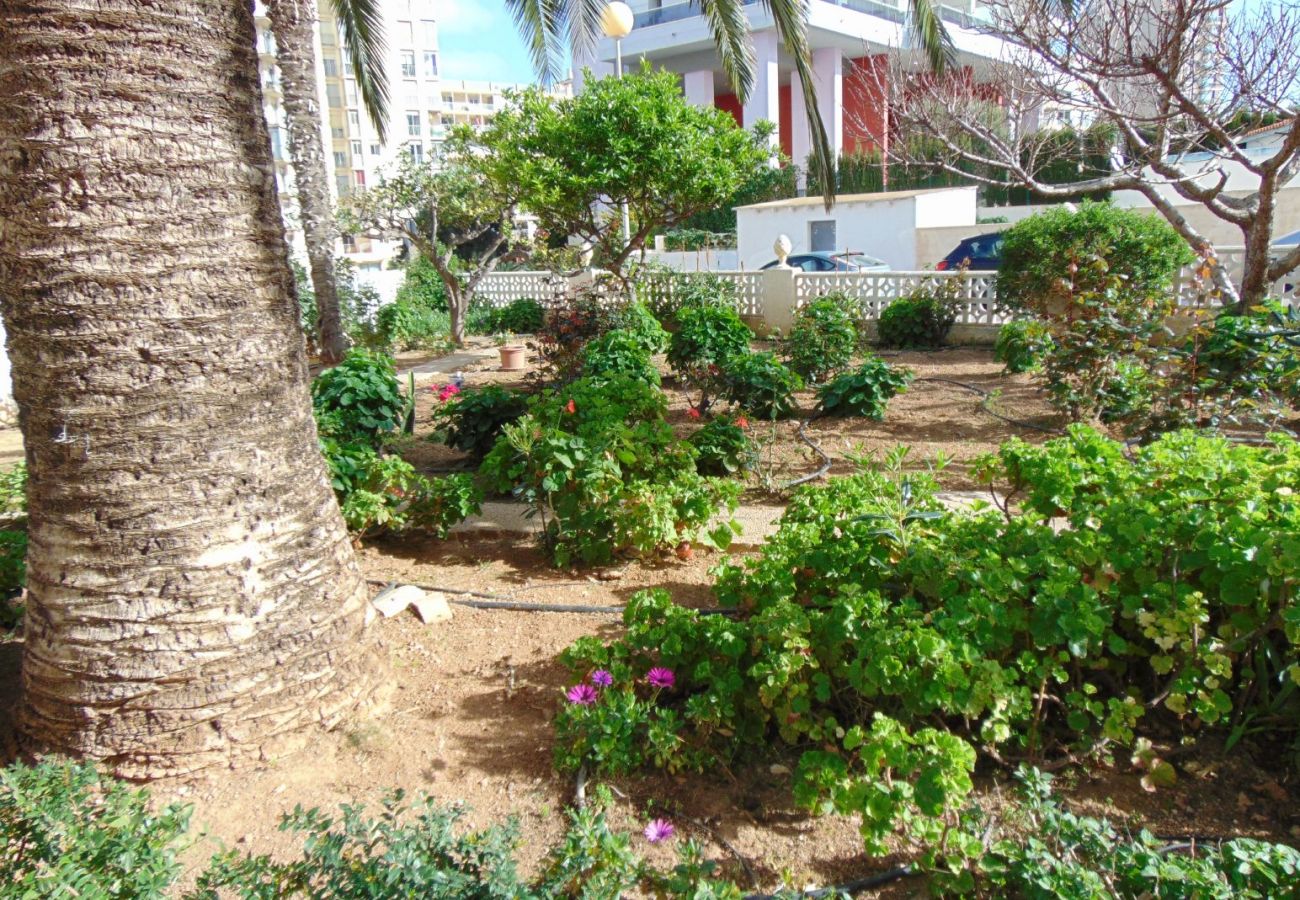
(422, 286)
(619, 352)
(471, 421)
(13, 561)
(606, 475)
(1021, 345)
(668, 292)
(922, 319)
(410, 325)
(379, 493)
(637, 320)
(65, 832)
(759, 384)
(1051, 256)
(13, 491)
(523, 316)
(359, 398)
(723, 447)
(1128, 393)
(706, 336)
(822, 340)
(884, 636)
(569, 327)
(865, 391)
(420, 850)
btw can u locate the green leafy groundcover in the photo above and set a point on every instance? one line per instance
(890, 639)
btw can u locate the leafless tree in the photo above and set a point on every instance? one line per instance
(1179, 82)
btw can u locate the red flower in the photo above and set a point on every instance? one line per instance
(571, 407)
(693, 413)
(742, 423)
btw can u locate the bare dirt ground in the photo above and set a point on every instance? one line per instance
(468, 719)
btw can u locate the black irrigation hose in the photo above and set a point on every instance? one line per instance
(826, 460)
(849, 887)
(984, 405)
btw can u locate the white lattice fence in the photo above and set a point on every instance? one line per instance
(498, 289)
(874, 291)
(1196, 290)
(664, 288)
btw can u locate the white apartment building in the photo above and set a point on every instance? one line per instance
(849, 40)
(422, 108)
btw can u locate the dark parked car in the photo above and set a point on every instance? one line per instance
(982, 253)
(820, 261)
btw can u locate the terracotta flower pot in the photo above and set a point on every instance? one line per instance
(512, 358)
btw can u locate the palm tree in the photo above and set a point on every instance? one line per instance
(548, 26)
(193, 597)
(292, 24)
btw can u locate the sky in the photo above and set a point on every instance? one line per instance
(478, 41)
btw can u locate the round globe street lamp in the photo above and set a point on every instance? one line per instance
(616, 21)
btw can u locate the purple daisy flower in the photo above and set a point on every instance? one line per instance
(602, 677)
(660, 677)
(582, 694)
(659, 830)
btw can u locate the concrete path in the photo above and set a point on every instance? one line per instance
(460, 361)
(757, 523)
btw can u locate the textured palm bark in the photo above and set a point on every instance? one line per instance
(292, 24)
(193, 595)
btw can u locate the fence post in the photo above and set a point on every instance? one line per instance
(778, 299)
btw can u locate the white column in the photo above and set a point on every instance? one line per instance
(698, 87)
(765, 99)
(828, 74)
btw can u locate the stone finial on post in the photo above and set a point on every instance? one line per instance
(782, 246)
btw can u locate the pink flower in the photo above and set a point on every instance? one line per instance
(658, 830)
(660, 677)
(447, 391)
(742, 423)
(602, 677)
(693, 413)
(582, 694)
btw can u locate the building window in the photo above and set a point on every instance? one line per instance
(430, 64)
(375, 149)
(350, 91)
(416, 151)
(349, 243)
(333, 95)
(343, 183)
(337, 132)
(277, 143)
(408, 63)
(356, 148)
(340, 159)
(413, 124)
(821, 236)
(448, 120)
(331, 68)
(447, 99)
(405, 33)
(429, 31)
(411, 91)
(354, 118)
(360, 177)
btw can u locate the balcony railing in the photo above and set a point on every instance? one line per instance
(674, 12)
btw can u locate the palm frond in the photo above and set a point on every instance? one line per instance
(542, 25)
(933, 37)
(730, 28)
(790, 17)
(362, 29)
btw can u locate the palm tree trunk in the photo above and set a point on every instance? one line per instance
(193, 597)
(292, 24)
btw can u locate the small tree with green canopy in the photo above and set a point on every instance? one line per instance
(456, 218)
(633, 140)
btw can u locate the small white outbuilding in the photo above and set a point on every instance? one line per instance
(885, 225)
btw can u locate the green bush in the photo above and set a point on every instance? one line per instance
(1022, 344)
(884, 636)
(822, 340)
(472, 420)
(380, 493)
(605, 474)
(668, 292)
(13, 561)
(359, 399)
(922, 319)
(13, 491)
(619, 352)
(1128, 392)
(723, 447)
(65, 832)
(637, 320)
(706, 336)
(422, 286)
(523, 316)
(759, 384)
(410, 325)
(865, 391)
(568, 328)
(1051, 256)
